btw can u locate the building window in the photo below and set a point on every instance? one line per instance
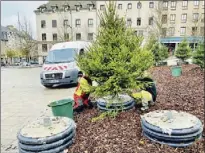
(129, 6)
(172, 18)
(140, 33)
(43, 36)
(44, 47)
(202, 31)
(77, 22)
(54, 23)
(184, 4)
(173, 4)
(129, 22)
(165, 5)
(151, 20)
(164, 32)
(65, 23)
(90, 36)
(182, 31)
(78, 36)
(90, 7)
(164, 19)
(202, 17)
(90, 22)
(184, 18)
(194, 31)
(43, 23)
(196, 3)
(139, 5)
(195, 17)
(55, 38)
(66, 36)
(203, 3)
(138, 21)
(151, 4)
(171, 31)
(120, 6)
(102, 7)
(78, 7)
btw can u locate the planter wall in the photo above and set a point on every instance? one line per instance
(62, 132)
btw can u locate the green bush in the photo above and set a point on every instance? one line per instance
(183, 51)
(198, 56)
(160, 52)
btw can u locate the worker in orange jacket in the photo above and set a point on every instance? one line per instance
(82, 92)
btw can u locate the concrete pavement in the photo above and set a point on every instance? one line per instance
(23, 100)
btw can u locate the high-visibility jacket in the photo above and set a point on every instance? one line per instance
(83, 87)
(143, 95)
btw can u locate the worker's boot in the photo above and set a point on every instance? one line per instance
(145, 105)
(151, 103)
(78, 106)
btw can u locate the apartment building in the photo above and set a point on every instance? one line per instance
(4, 40)
(182, 19)
(78, 20)
(59, 21)
(10, 39)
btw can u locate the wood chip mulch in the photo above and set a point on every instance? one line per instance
(123, 134)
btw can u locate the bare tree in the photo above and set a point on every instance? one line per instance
(27, 45)
(64, 29)
(158, 21)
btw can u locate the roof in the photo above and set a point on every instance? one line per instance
(12, 29)
(71, 44)
(72, 4)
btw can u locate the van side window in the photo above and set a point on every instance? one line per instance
(81, 52)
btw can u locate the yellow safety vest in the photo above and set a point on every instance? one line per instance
(142, 94)
(83, 87)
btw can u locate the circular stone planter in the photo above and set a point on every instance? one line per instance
(177, 129)
(126, 103)
(36, 137)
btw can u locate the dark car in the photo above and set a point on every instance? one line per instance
(34, 63)
(3, 64)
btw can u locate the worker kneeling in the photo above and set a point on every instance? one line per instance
(145, 98)
(82, 92)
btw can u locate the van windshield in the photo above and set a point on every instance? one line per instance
(61, 55)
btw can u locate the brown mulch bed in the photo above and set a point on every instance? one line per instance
(123, 134)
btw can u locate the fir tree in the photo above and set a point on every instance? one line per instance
(198, 56)
(116, 58)
(183, 51)
(160, 52)
(151, 41)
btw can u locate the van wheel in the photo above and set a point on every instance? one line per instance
(48, 86)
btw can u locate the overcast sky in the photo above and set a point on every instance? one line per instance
(10, 9)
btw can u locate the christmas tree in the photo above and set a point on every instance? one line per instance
(160, 52)
(183, 51)
(116, 59)
(198, 56)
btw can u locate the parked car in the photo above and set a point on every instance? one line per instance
(25, 64)
(33, 62)
(3, 64)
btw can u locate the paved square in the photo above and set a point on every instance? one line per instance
(24, 99)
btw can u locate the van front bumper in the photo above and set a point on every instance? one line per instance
(63, 81)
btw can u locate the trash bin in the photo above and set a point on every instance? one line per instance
(176, 71)
(62, 107)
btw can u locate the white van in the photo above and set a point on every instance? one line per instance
(60, 67)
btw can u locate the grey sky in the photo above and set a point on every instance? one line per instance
(10, 9)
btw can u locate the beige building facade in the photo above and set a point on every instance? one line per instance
(172, 20)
